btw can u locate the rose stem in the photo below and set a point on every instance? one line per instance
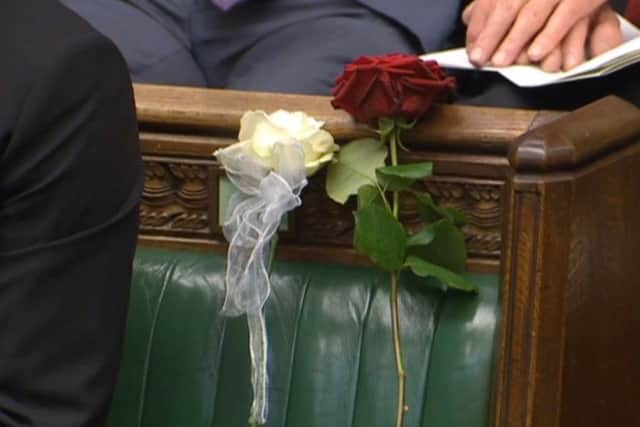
(395, 319)
(393, 147)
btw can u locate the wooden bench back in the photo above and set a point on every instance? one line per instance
(553, 200)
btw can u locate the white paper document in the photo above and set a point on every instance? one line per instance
(530, 75)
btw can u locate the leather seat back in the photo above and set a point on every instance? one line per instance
(331, 354)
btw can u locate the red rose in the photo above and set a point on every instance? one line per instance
(393, 86)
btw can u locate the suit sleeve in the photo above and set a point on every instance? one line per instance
(70, 183)
(619, 5)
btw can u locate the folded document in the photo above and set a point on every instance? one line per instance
(530, 75)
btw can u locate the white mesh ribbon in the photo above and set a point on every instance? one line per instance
(266, 192)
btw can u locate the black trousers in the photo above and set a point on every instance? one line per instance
(483, 89)
(70, 183)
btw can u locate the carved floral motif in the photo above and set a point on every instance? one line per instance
(322, 220)
(480, 201)
(175, 198)
(178, 194)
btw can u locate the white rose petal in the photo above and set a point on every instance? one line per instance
(248, 123)
(260, 131)
(297, 124)
(313, 166)
(322, 142)
(266, 134)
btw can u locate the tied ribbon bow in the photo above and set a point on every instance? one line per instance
(265, 194)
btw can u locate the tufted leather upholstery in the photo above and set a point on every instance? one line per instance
(331, 354)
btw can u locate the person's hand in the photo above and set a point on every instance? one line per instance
(589, 37)
(500, 30)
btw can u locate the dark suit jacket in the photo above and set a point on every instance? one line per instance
(619, 5)
(70, 179)
(432, 21)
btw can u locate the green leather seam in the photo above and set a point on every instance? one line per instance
(292, 360)
(365, 321)
(493, 368)
(436, 319)
(145, 375)
(218, 366)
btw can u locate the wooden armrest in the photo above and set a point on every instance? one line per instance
(577, 138)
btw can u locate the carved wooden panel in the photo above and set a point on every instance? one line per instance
(321, 220)
(181, 199)
(176, 198)
(480, 200)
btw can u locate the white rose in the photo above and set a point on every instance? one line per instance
(259, 132)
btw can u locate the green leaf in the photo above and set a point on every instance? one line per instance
(427, 207)
(381, 236)
(354, 167)
(369, 194)
(430, 211)
(423, 237)
(401, 177)
(386, 126)
(450, 279)
(405, 124)
(448, 248)
(408, 170)
(455, 215)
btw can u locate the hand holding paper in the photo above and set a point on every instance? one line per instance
(499, 31)
(532, 75)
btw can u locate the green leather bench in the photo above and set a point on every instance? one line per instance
(553, 237)
(332, 360)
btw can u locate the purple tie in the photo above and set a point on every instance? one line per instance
(225, 4)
